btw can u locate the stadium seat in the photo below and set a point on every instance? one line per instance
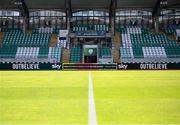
(55, 53)
(75, 55)
(27, 52)
(126, 52)
(17, 38)
(104, 52)
(8, 52)
(171, 29)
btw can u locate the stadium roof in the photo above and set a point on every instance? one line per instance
(86, 4)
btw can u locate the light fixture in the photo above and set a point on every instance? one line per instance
(18, 2)
(163, 3)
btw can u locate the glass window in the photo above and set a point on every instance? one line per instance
(47, 13)
(9, 13)
(91, 13)
(132, 13)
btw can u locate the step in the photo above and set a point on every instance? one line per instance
(1, 38)
(115, 55)
(172, 37)
(116, 43)
(66, 56)
(54, 40)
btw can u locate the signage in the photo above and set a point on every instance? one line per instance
(148, 66)
(30, 66)
(90, 33)
(63, 33)
(90, 51)
(89, 66)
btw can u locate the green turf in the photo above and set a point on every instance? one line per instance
(121, 97)
(44, 98)
(137, 97)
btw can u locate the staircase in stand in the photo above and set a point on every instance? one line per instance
(54, 40)
(66, 56)
(1, 38)
(172, 37)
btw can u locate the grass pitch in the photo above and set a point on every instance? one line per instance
(44, 98)
(121, 97)
(137, 97)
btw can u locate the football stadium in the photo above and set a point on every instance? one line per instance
(89, 62)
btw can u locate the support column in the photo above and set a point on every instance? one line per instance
(113, 26)
(22, 6)
(156, 24)
(155, 14)
(69, 30)
(68, 20)
(25, 24)
(112, 15)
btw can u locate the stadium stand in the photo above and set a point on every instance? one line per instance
(140, 46)
(30, 54)
(20, 47)
(33, 34)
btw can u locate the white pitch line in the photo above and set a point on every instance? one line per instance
(91, 104)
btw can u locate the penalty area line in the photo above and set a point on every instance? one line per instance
(91, 104)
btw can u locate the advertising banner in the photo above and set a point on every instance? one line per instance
(30, 66)
(148, 66)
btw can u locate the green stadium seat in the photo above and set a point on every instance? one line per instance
(17, 38)
(104, 51)
(75, 55)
